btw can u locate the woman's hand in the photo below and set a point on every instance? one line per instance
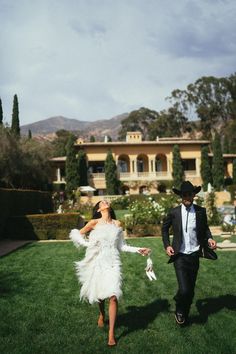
(144, 251)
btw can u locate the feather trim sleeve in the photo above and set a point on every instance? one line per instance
(122, 245)
(77, 238)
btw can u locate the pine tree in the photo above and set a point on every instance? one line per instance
(234, 171)
(217, 164)
(1, 113)
(177, 167)
(205, 168)
(29, 134)
(82, 168)
(112, 183)
(15, 124)
(72, 175)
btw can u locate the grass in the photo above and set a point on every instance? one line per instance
(40, 309)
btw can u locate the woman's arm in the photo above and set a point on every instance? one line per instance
(77, 235)
(122, 246)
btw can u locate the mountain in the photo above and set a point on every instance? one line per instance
(98, 128)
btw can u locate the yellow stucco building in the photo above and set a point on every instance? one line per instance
(141, 165)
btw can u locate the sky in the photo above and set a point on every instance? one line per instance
(95, 59)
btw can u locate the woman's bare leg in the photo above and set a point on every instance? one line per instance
(113, 305)
(101, 317)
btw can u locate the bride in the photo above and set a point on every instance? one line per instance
(100, 270)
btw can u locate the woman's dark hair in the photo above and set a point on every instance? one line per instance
(97, 214)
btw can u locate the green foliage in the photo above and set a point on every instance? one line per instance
(59, 144)
(138, 120)
(1, 113)
(212, 212)
(168, 123)
(92, 139)
(177, 167)
(20, 202)
(112, 182)
(82, 168)
(217, 164)
(212, 99)
(42, 227)
(72, 173)
(205, 168)
(234, 171)
(29, 134)
(24, 163)
(15, 124)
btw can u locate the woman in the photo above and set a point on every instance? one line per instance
(99, 272)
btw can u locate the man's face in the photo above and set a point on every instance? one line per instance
(187, 198)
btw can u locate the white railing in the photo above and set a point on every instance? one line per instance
(135, 175)
(190, 173)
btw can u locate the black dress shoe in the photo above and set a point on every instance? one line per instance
(179, 317)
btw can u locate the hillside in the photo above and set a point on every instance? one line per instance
(97, 128)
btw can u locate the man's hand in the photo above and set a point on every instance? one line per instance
(212, 243)
(170, 251)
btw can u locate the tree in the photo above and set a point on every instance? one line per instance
(24, 163)
(92, 139)
(211, 99)
(137, 120)
(59, 144)
(234, 171)
(15, 124)
(112, 183)
(29, 134)
(205, 168)
(82, 168)
(168, 123)
(177, 167)
(72, 175)
(217, 164)
(1, 113)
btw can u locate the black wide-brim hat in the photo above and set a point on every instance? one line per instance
(187, 187)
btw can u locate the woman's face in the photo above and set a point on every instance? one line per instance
(103, 205)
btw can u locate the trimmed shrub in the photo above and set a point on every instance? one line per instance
(42, 227)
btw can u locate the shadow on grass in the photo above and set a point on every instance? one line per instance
(211, 305)
(139, 317)
(11, 284)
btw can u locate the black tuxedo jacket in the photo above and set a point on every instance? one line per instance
(174, 220)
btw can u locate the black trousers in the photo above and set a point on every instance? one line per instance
(186, 269)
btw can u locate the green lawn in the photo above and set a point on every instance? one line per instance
(40, 310)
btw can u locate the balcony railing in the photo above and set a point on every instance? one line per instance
(136, 175)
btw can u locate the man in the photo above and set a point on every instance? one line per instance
(191, 239)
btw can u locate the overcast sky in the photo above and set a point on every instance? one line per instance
(95, 59)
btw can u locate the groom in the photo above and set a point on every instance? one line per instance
(191, 239)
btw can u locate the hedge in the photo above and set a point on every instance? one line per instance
(16, 202)
(42, 226)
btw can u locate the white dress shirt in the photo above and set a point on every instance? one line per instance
(190, 243)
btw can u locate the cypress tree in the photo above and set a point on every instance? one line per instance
(1, 113)
(15, 124)
(29, 134)
(82, 168)
(226, 148)
(112, 183)
(92, 139)
(217, 164)
(72, 175)
(177, 167)
(205, 168)
(234, 171)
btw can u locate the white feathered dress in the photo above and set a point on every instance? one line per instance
(100, 270)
